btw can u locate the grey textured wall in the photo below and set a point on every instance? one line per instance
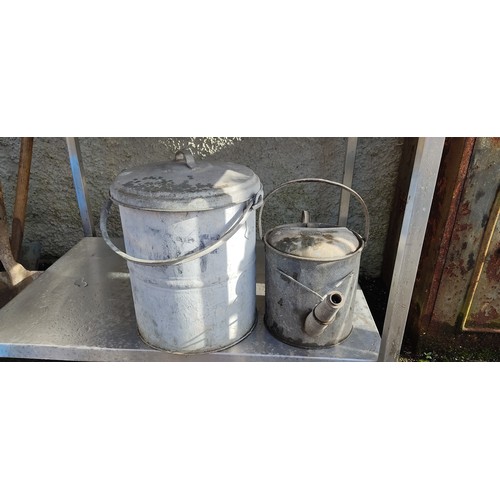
(53, 217)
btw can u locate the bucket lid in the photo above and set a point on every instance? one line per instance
(185, 185)
(319, 243)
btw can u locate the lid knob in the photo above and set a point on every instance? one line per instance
(185, 156)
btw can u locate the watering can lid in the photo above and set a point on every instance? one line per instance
(185, 185)
(319, 243)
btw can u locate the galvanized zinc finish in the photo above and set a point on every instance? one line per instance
(189, 232)
(179, 186)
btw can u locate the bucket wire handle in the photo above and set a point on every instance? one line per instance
(324, 181)
(196, 254)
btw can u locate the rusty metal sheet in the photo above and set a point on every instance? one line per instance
(482, 306)
(474, 210)
(453, 172)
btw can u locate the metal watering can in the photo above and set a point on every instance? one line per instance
(311, 277)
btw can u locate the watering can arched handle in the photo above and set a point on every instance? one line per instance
(324, 181)
(251, 204)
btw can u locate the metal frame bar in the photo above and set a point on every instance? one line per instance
(75, 160)
(345, 197)
(418, 204)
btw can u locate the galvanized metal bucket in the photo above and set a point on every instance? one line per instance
(189, 234)
(311, 277)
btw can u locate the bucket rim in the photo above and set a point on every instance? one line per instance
(179, 210)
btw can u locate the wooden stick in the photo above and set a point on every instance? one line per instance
(17, 274)
(21, 201)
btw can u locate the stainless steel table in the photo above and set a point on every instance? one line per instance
(81, 309)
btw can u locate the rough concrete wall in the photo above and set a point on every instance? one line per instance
(53, 216)
(375, 177)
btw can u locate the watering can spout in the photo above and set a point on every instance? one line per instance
(323, 314)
